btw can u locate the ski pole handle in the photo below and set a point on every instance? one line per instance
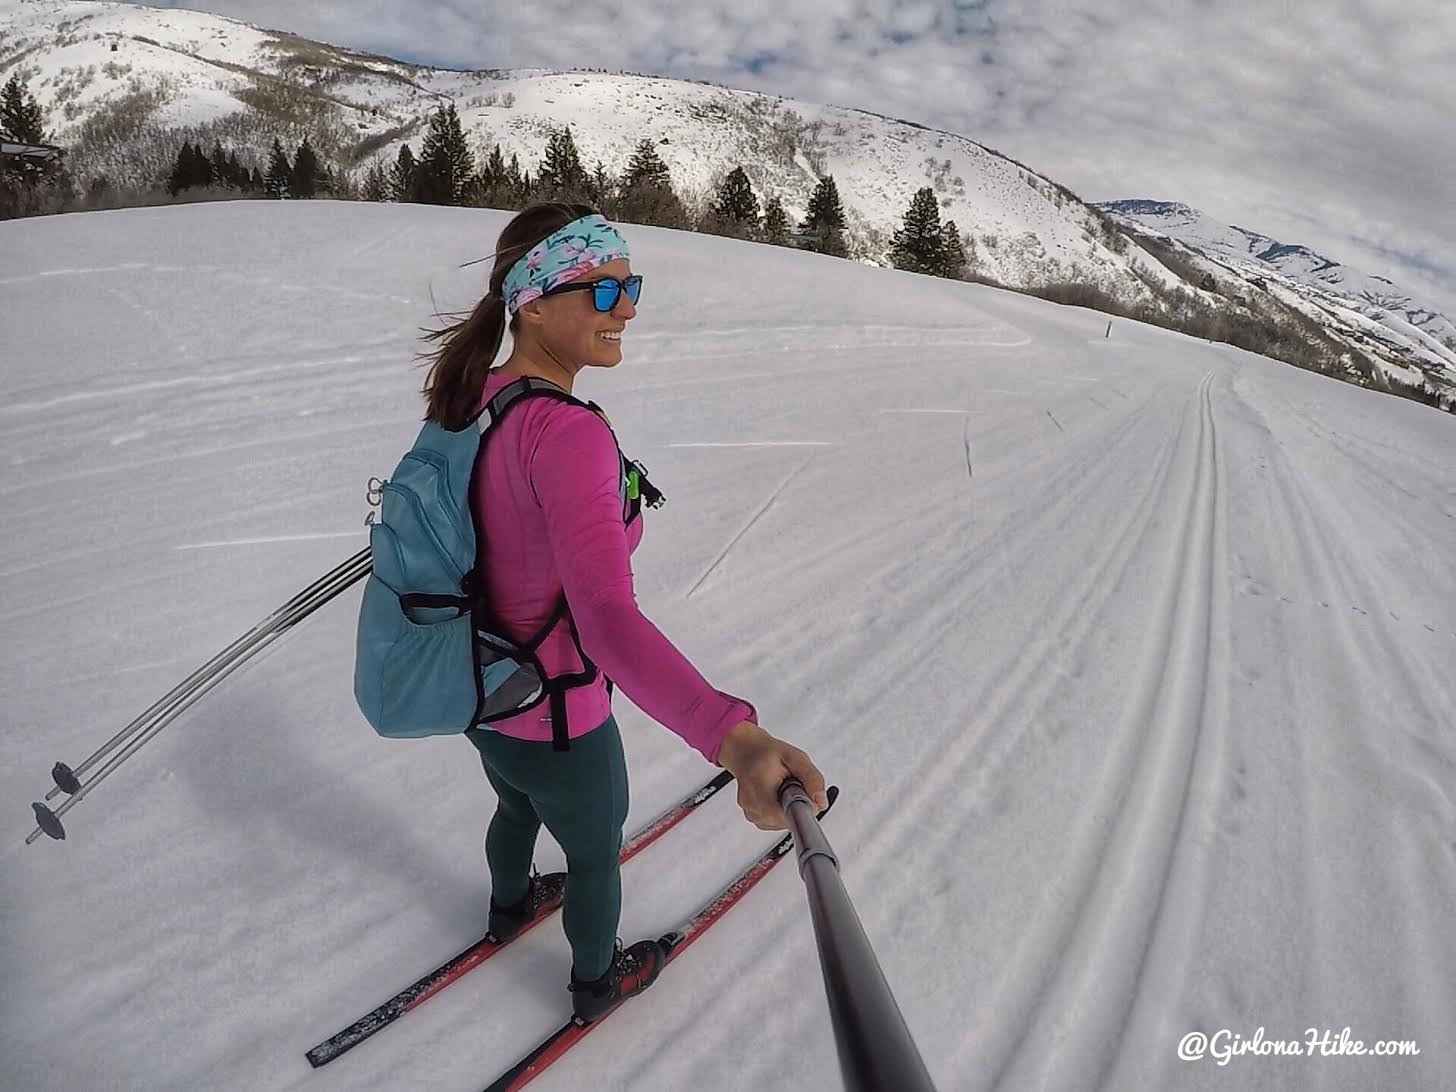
(799, 811)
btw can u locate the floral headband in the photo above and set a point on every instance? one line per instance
(562, 256)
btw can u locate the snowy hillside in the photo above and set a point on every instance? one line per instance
(1020, 228)
(1130, 655)
(1370, 312)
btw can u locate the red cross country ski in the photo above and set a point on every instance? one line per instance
(574, 1030)
(417, 993)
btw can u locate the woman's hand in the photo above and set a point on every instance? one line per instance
(760, 763)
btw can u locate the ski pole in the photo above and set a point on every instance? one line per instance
(198, 684)
(876, 1049)
(68, 779)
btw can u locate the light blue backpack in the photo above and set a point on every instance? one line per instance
(431, 658)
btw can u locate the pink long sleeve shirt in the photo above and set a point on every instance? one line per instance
(551, 518)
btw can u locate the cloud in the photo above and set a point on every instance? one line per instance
(1324, 122)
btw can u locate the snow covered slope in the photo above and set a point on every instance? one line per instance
(1368, 311)
(1020, 228)
(1130, 655)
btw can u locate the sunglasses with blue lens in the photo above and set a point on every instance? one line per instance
(605, 291)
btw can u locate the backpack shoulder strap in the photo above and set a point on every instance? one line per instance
(525, 387)
(532, 386)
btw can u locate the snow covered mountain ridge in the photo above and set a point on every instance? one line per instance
(1021, 228)
(1326, 289)
(121, 86)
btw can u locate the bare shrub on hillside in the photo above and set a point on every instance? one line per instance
(119, 139)
(363, 149)
(291, 110)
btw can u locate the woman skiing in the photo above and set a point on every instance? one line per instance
(550, 520)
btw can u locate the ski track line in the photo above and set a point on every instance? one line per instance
(1299, 831)
(1370, 641)
(85, 597)
(1318, 985)
(971, 540)
(953, 335)
(1202, 762)
(1422, 913)
(44, 274)
(289, 369)
(917, 620)
(268, 540)
(1376, 483)
(936, 769)
(277, 448)
(838, 368)
(1072, 468)
(751, 521)
(1023, 674)
(1026, 678)
(1071, 987)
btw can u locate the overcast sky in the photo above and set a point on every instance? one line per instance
(1322, 122)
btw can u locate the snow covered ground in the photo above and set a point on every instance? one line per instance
(1131, 657)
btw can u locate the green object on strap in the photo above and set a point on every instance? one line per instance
(632, 489)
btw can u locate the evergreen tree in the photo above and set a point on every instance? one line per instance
(511, 188)
(953, 253)
(824, 223)
(734, 210)
(494, 173)
(376, 182)
(476, 193)
(201, 166)
(918, 245)
(561, 176)
(600, 190)
(517, 187)
(304, 178)
(446, 161)
(279, 172)
(339, 184)
(645, 193)
(646, 168)
(402, 178)
(236, 176)
(191, 168)
(257, 183)
(20, 116)
(21, 120)
(178, 181)
(775, 223)
(218, 166)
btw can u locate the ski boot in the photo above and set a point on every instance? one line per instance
(543, 895)
(631, 972)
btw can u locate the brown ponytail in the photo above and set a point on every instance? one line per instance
(458, 369)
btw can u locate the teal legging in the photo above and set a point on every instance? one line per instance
(581, 796)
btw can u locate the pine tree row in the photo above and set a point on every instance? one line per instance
(446, 173)
(304, 176)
